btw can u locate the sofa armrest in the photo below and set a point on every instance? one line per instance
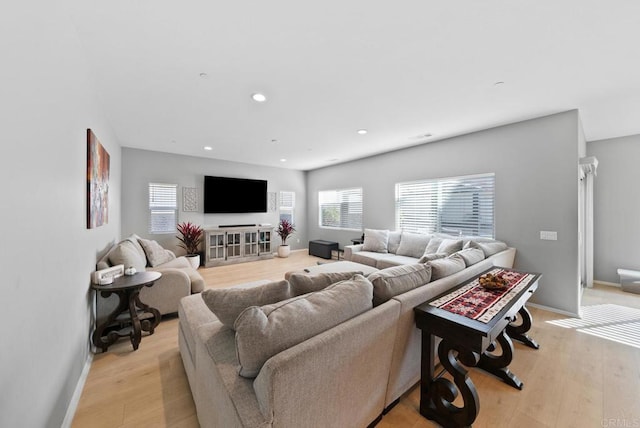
(166, 292)
(504, 258)
(349, 250)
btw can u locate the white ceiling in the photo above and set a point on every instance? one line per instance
(399, 69)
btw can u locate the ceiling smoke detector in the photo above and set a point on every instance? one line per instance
(258, 97)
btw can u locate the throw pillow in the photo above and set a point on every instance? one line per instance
(435, 256)
(375, 240)
(262, 332)
(448, 266)
(125, 254)
(488, 248)
(471, 256)
(156, 255)
(396, 280)
(450, 246)
(228, 303)
(302, 283)
(413, 244)
(394, 242)
(432, 247)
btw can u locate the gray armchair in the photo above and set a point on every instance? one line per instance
(178, 279)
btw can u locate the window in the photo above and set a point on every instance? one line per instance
(341, 209)
(163, 208)
(457, 205)
(287, 205)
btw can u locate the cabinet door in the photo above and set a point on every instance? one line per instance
(265, 241)
(250, 244)
(215, 246)
(234, 244)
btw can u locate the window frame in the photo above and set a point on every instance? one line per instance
(160, 208)
(453, 190)
(343, 226)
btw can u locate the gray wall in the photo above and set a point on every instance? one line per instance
(47, 253)
(141, 167)
(535, 163)
(616, 206)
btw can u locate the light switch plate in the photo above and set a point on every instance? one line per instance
(548, 235)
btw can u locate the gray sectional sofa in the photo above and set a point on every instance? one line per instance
(347, 362)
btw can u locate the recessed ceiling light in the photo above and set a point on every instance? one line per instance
(362, 131)
(203, 75)
(258, 97)
(333, 160)
(422, 136)
(283, 160)
(208, 148)
(498, 83)
(274, 141)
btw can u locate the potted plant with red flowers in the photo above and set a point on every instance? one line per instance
(190, 238)
(284, 230)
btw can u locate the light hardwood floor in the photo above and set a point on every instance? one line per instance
(573, 380)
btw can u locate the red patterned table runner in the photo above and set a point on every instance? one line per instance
(473, 301)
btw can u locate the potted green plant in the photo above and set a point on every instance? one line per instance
(284, 230)
(190, 238)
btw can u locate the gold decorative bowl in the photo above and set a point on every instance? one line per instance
(493, 282)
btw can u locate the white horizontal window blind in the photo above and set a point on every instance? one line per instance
(341, 209)
(456, 205)
(163, 208)
(287, 205)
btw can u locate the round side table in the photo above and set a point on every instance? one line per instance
(130, 310)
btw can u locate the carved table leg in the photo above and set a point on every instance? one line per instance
(146, 309)
(103, 342)
(441, 392)
(498, 364)
(136, 330)
(518, 332)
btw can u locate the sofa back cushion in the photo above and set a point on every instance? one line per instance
(449, 246)
(413, 244)
(156, 255)
(394, 241)
(375, 241)
(262, 332)
(228, 303)
(448, 266)
(126, 254)
(304, 283)
(471, 256)
(392, 281)
(488, 248)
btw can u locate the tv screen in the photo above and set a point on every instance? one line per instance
(234, 195)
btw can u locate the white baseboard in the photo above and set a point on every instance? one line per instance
(75, 399)
(609, 284)
(554, 310)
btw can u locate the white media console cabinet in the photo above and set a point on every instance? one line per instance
(237, 244)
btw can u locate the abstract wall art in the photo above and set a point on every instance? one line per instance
(97, 182)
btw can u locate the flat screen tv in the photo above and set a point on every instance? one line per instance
(234, 195)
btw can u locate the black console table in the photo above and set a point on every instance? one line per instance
(470, 342)
(130, 310)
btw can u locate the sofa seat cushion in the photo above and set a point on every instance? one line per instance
(228, 303)
(341, 266)
(262, 332)
(395, 261)
(392, 281)
(441, 268)
(375, 240)
(125, 254)
(413, 244)
(369, 258)
(303, 283)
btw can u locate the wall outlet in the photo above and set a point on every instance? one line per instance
(547, 235)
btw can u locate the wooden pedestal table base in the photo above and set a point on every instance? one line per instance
(471, 343)
(130, 310)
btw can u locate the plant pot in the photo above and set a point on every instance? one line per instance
(194, 260)
(284, 251)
